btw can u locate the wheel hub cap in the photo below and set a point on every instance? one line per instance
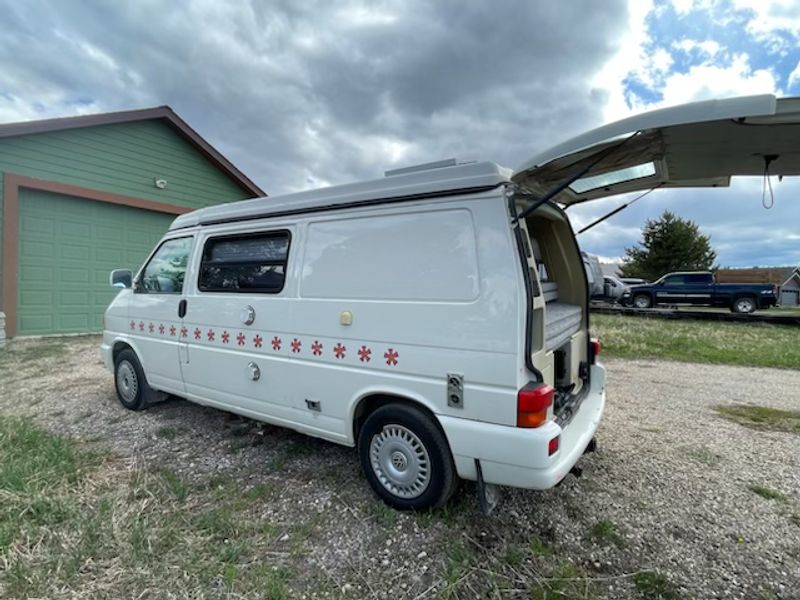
(127, 385)
(400, 461)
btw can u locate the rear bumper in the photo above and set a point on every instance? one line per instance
(518, 457)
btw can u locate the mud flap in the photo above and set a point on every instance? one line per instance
(488, 493)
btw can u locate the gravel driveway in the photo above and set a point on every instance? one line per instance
(666, 506)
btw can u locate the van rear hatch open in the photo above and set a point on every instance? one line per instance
(702, 144)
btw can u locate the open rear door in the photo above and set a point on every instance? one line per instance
(702, 144)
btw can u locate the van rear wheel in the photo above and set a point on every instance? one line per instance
(406, 458)
(132, 389)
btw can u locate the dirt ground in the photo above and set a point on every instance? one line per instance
(677, 501)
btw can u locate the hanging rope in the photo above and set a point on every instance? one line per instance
(765, 202)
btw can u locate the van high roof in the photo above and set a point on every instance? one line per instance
(434, 179)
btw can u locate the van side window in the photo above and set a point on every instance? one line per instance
(165, 271)
(245, 263)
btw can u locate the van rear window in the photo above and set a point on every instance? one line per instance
(245, 263)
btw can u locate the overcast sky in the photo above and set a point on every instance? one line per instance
(306, 94)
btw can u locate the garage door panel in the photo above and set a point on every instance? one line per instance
(78, 299)
(109, 233)
(32, 225)
(34, 250)
(74, 323)
(73, 276)
(37, 298)
(67, 248)
(73, 252)
(33, 273)
(75, 230)
(33, 324)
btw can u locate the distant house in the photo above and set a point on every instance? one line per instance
(786, 278)
(83, 195)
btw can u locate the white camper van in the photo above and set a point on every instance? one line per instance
(436, 319)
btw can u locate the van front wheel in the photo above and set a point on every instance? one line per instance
(132, 389)
(406, 458)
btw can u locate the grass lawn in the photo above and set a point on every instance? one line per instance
(70, 520)
(757, 344)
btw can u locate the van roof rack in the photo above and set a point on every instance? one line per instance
(437, 164)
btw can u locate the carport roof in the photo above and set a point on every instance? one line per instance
(164, 113)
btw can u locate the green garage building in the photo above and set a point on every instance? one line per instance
(81, 196)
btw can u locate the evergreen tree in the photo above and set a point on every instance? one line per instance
(668, 244)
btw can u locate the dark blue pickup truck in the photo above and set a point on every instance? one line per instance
(699, 289)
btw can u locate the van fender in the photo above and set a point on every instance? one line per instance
(390, 391)
(124, 340)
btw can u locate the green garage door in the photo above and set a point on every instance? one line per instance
(67, 247)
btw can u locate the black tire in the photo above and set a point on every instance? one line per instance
(401, 439)
(744, 305)
(642, 301)
(133, 391)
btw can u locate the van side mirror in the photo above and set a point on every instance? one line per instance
(121, 278)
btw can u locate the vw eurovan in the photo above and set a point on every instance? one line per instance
(436, 319)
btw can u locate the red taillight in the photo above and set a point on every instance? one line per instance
(594, 347)
(533, 401)
(552, 446)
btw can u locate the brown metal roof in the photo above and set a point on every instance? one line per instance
(144, 114)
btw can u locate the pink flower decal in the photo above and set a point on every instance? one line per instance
(210, 335)
(197, 333)
(391, 357)
(161, 328)
(184, 332)
(133, 325)
(225, 337)
(296, 345)
(364, 354)
(316, 348)
(172, 330)
(240, 339)
(340, 351)
(151, 327)
(257, 341)
(276, 343)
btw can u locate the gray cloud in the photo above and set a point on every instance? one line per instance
(300, 94)
(297, 93)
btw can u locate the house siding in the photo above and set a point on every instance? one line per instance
(122, 158)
